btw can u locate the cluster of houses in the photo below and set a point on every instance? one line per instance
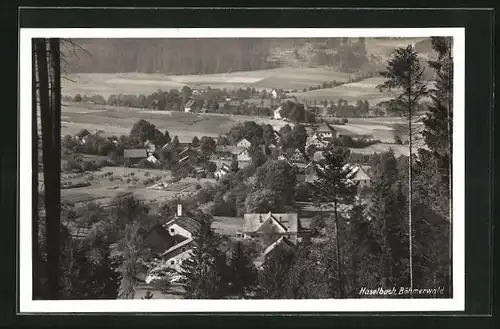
(172, 242)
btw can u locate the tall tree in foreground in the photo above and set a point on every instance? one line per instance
(334, 188)
(405, 76)
(243, 278)
(50, 113)
(203, 274)
(387, 213)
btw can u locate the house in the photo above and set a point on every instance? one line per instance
(152, 158)
(222, 171)
(326, 131)
(244, 156)
(359, 175)
(135, 155)
(182, 224)
(82, 133)
(158, 240)
(282, 242)
(316, 141)
(191, 153)
(189, 106)
(268, 224)
(225, 153)
(243, 143)
(277, 113)
(185, 227)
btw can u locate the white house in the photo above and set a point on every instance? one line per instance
(274, 93)
(222, 171)
(152, 159)
(243, 143)
(244, 156)
(277, 113)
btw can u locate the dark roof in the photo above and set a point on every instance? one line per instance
(188, 151)
(82, 133)
(168, 240)
(187, 223)
(135, 153)
(252, 222)
(228, 149)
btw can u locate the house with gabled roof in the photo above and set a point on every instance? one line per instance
(190, 152)
(182, 228)
(243, 143)
(244, 156)
(222, 171)
(282, 242)
(264, 224)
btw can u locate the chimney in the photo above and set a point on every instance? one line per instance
(179, 210)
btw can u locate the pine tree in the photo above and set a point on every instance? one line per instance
(243, 279)
(404, 72)
(203, 274)
(387, 214)
(334, 188)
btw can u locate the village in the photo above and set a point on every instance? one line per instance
(171, 242)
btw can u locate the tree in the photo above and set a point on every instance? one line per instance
(243, 279)
(195, 142)
(167, 137)
(143, 131)
(268, 134)
(279, 177)
(285, 136)
(387, 212)
(207, 145)
(299, 137)
(274, 272)
(262, 201)
(203, 273)
(438, 122)
(211, 166)
(404, 72)
(333, 188)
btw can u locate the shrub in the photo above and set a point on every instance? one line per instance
(147, 174)
(111, 178)
(128, 180)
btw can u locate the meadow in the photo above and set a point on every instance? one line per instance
(141, 83)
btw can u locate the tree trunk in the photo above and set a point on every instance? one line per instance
(337, 247)
(450, 168)
(34, 175)
(410, 190)
(51, 205)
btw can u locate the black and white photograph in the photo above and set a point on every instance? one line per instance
(242, 170)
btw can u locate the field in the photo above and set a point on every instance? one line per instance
(351, 92)
(119, 121)
(110, 182)
(141, 83)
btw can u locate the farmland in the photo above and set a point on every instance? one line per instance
(137, 83)
(111, 182)
(350, 92)
(119, 121)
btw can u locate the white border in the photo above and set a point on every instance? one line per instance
(457, 303)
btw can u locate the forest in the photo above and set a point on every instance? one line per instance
(206, 56)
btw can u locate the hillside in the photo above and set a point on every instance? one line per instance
(211, 56)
